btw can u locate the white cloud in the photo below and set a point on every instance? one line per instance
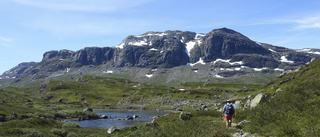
(308, 23)
(4, 41)
(78, 26)
(82, 5)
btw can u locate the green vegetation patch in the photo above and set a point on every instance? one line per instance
(293, 110)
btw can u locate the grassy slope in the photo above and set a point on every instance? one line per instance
(101, 90)
(293, 111)
(202, 124)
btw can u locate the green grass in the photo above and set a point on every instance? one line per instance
(204, 124)
(292, 112)
(45, 128)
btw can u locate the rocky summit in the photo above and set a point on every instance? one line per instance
(168, 57)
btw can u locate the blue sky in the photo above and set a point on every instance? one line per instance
(28, 28)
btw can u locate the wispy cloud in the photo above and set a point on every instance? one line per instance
(5, 41)
(79, 26)
(296, 22)
(82, 5)
(312, 22)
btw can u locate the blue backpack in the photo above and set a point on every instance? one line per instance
(229, 110)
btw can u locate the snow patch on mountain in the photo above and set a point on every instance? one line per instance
(307, 50)
(191, 44)
(199, 62)
(272, 50)
(259, 69)
(278, 69)
(314, 52)
(259, 43)
(68, 69)
(120, 46)
(149, 76)
(108, 72)
(218, 76)
(153, 49)
(160, 34)
(284, 59)
(228, 61)
(139, 43)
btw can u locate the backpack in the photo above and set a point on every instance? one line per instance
(229, 109)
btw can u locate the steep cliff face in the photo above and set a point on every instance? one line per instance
(220, 53)
(175, 48)
(224, 43)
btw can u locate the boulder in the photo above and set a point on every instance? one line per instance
(237, 105)
(178, 109)
(242, 123)
(135, 116)
(60, 100)
(279, 90)
(104, 116)
(241, 134)
(112, 130)
(88, 110)
(155, 117)
(247, 105)
(129, 118)
(258, 99)
(247, 135)
(185, 116)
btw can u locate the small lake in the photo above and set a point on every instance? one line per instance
(144, 116)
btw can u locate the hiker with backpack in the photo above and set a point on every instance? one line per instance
(228, 112)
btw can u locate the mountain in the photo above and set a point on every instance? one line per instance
(170, 57)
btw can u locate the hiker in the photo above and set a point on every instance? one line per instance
(228, 112)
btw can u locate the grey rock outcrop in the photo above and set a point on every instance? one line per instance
(247, 105)
(242, 123)
(242, 135)
(279, 90)
(88, 110)
(258, 99)
(238, 105)
(112, 130)
(185, 116)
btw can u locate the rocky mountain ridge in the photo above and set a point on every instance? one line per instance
(220, 53)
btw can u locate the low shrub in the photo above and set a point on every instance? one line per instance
(72, 134)
(14, 131)
(32, 133)
(31, 123)
(71, 125)
(59, 132)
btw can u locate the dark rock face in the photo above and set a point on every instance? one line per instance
(62, 54)
(224, 43)
(93, 56)
(19, 69)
